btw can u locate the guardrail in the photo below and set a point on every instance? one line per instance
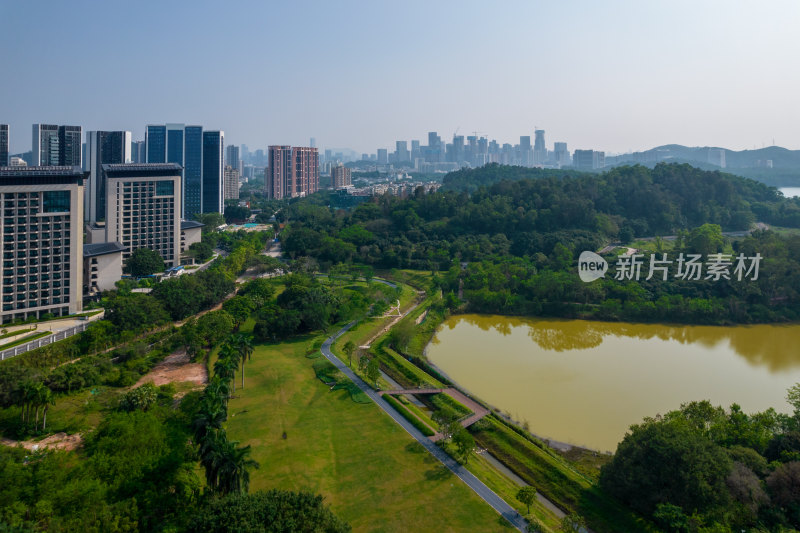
(43, 341)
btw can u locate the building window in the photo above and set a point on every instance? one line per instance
(55, 201)
(164, 188)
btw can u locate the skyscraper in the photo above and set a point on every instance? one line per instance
(53, 145)
(138, 152)
(44, 145)
(193, 171)
(3, 145)
(383, 156)
(70, 146)
(213, 178)
(401, 154)
(232, 157)
(45, 207)
(174, 147)
(525, 157)
(102, 148)
(539, 148)
(155, 140)
(561, 153)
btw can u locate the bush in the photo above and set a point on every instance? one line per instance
(140, 398)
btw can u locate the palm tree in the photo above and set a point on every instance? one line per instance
(210, 416)
(218, 389)
(213, 449)
(233, 472)
(244, 345)
(27, 395)
(226, 366)
(47, 398)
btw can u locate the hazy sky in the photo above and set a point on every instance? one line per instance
(611, 75)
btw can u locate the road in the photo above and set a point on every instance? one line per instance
(497, 503)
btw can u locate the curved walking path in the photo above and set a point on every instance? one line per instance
(497, 503)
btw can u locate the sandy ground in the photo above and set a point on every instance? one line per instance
(176, 367)
(57, 441)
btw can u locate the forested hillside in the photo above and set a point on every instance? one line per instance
(520, 237)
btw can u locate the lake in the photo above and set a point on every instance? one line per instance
(586, 382)
(790, 192)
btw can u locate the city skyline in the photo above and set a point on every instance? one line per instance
(709, 74)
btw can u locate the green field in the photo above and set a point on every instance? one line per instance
(371, 472)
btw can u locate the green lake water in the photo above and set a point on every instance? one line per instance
(585, 382)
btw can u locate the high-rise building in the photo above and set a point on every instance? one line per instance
(588, 160)
(213, 167)
(102, 148)
(383, 156)
(43, 243)
(70, 146)
(143, 207)
(138, 152)
(341, 176)
(231, 183)
(193, 171)
(53, 145)
(292, 172)
(44, 145)
(279, 171)
(174, 147)
(155, 139)
(401, 153)
(539, 147)
(561, 153)
(306, 171)
(3, 145)
(232, 157)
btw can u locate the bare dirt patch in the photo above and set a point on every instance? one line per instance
(56, 441)
(177, 367)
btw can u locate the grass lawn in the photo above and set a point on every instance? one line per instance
(371, 472)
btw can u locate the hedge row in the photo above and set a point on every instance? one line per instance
(416, 422)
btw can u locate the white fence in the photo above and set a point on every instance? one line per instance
(43, 341)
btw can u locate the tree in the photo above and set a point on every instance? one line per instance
(464, 444)
(267, 512)
(671, 518)
(573, 522)
(348, 348)
(666, 461)
(244, 345)
(259, 290)
(374, 370)
(526, 496)
(46, 398)
(401, 334)
(140, 398)
(240, 308)
(706, 239)
(144, 262)
(201, 251)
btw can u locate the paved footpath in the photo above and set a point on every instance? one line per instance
(497, 503)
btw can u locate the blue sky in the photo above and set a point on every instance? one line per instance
(614, 75)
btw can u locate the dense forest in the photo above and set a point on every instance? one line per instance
(511, 247)
(704, 468)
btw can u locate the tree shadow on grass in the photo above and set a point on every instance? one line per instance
(437, 473)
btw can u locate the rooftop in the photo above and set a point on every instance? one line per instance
(189, 224)
(102, 248)
(142, 169)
